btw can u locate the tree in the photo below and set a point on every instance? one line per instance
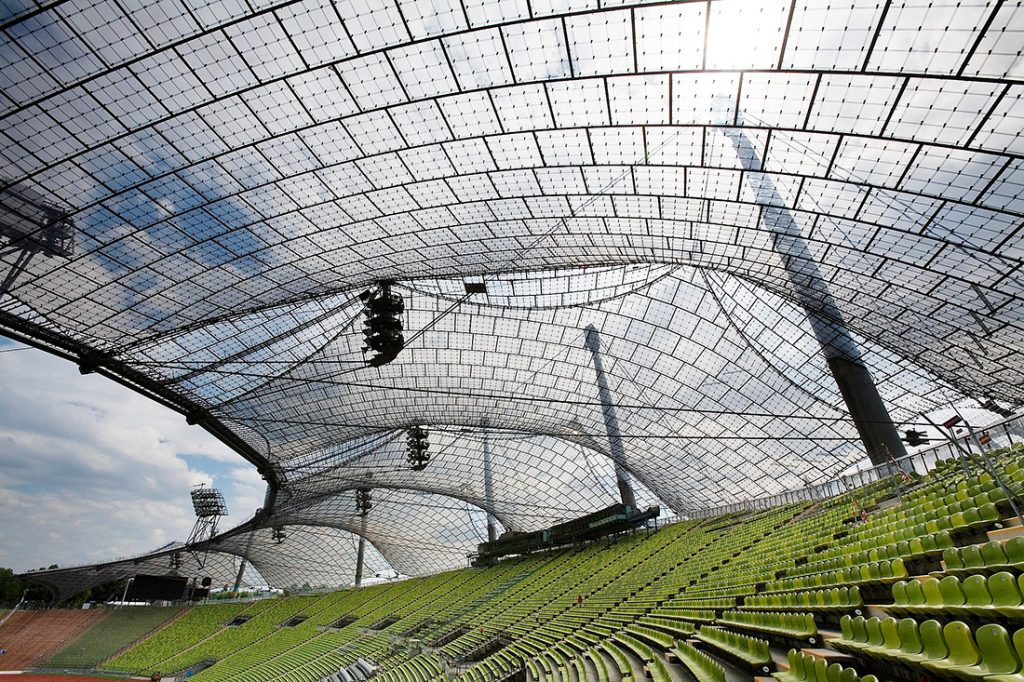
(11, 587)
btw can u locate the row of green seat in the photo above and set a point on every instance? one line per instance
(950, 650)
(868, 551)
(655, 664)
(749, 650)
(676, 628)
(700, 665)
(836, 599)
(993, 555)
(806, 668)
(998, 595)
(874, 572)
(794, 625)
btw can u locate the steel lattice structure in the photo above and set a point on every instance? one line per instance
(238, 173)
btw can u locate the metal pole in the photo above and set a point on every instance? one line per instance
(241, 573)
(994, 473)
(956, 446)
(969, 431)
(974, 436)
(1006, 491)
(16, 607)
(124, 596)
(811, 290)
(896, 480)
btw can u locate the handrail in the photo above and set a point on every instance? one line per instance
(920, 462)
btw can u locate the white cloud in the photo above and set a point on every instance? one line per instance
(92, 471)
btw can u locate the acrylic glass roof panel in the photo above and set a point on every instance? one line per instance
(307, 557)
(524, 482)
(238, 175)
(705, 369)
(415, 532)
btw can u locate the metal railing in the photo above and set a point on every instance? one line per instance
(1003, 434)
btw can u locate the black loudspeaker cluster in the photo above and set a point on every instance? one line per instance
(382, 330)
(363, 501)
(416, 448)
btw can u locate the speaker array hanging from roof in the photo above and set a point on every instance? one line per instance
(363, 501)
(278, 535)
(382, 330)
(416, 448)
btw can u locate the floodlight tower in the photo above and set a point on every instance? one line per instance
(31, 224)
(209, 506)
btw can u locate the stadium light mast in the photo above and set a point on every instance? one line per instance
(31, 224)
(842, 353)
(209, 507)
(611, 421)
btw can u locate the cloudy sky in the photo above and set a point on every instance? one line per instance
(92, 471)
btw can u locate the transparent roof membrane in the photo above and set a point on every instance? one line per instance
(692, 180)
(552, 289)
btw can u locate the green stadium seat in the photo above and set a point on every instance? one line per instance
(931, 590)
(875, 639)
(998, 656)
(1007, 598)
(963, 651)
(1018, 646)
(972, 558)
(890, 640)
(951, 559)
(993, 554)
(933, 644)
(953, 599)
(910, 638)
(1014, 549)
(979, 599)
(900, 598)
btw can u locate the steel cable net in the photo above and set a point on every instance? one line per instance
(689, 178)
(712, 408)
(415, 532)
(176, 561)
(524, 482)
(304, 557)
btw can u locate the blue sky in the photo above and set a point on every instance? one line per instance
(92, 471)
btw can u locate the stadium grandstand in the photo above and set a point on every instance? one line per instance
(575, 340)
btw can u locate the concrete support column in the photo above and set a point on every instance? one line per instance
(874, 426)
(241, 572)
(611, 421)
(492, 533)
(362, 551)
